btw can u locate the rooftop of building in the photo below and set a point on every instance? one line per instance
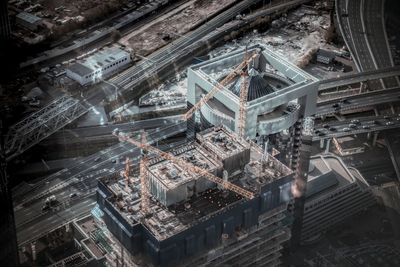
(222, 142)
(98, 60)
(349, 142)
(326, 53)
(326, 173)
(260, 71)
(28, 17)
(164, 221)
(172, 175)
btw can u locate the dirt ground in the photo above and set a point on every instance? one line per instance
(77, 7)
(173, 25)
(291, 36)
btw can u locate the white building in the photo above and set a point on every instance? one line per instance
(96, 67)
(333, 195)
(279, 93)
(348, 145)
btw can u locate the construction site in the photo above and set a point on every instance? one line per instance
(188, 133)
(214, 200)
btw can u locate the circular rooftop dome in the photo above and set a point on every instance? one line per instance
(258, 85)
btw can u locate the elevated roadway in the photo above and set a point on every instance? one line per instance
(358, 101)
(41, 124)
(365, 76)
(365, 125)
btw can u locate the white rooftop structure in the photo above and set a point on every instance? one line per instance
(279, 93)
(98, 65)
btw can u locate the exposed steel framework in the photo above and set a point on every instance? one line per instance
(186, 165)
(41, 124)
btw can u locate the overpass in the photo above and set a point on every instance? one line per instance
(364, 76)
(41, 124)
(365, 125)
(358, 101)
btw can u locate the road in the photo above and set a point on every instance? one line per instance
(359, 101)
(71, 135)
(81, 178)
(29, 214)
(361, 23)
(365, 125)
(359, 77)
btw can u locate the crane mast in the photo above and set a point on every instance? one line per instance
(244, 90)
(144, 194)
(219, 86)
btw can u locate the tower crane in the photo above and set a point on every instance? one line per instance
(126, 172)
(184, 165)
(244, 90)
(219, 86)
(143, 174)
(145, 148)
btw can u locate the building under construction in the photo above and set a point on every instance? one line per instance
(189, 219)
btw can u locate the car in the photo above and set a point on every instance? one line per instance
(366, 127)
(321, 134)
(355, 121)
(317, 131)
(114, 161)
(115, 131)
(389, 123)
(336, 105)
(326, 126)
(345, 101)
(352, 125)
(72, 195)
(45, 208)
(332, 129)
(346, 129)
(97, 159)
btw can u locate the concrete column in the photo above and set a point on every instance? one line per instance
(321, 143)
(33, 249)
(375, 138)
(328, 143)
(369, 135)
(392, 109)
